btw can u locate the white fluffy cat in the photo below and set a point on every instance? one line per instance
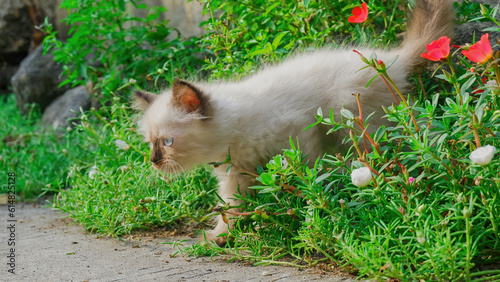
(196, 123)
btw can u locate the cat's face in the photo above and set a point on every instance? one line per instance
(174, 124)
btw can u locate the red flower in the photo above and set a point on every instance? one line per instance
(475, 91)
(481, 51)
(411, 179)
(438, 49)
(359, 14)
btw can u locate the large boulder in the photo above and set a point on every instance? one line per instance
(37, 80)
(14, 39)
(15, 31)
(18, 35)
(66, 107)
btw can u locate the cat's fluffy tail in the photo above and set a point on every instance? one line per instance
(430, 20)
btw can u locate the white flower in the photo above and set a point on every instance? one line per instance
(483, 155)
(284, 163)
(361, 176)
(492, 83)
(122, 144)
(93, 171)
(421, 237)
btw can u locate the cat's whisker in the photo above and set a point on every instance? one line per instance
(178, 168)
(171, 166)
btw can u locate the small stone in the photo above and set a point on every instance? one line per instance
(266, 273)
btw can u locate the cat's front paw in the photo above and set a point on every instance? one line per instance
(213, 236)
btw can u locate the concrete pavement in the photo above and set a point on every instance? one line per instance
(47, 248)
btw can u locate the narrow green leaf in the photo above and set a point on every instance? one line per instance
(277, 39)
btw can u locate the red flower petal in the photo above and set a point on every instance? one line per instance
(481, 51)
(359, 14)
(438, 49)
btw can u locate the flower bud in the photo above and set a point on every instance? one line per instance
(421, 237)
(342, 203)
(150, 199)
(411, 180)
(380, 65)
(484, 10)
(363, 58)
(421, 208)
(483, 155)
(93, 172)
(361, 176)
(466, 212)
(255, 217)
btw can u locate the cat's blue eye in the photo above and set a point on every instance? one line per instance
(168, 141)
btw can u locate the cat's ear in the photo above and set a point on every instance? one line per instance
(143, 99)
(188, 97)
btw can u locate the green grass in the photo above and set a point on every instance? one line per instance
(119, 200)
(32, 152)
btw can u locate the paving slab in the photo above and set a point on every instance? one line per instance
(48, 248)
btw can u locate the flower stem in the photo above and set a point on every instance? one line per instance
(473, 126)
(355, 142)
(422, 85)
(361, 124)
(489, 131)
(497, 74)
(390, 89)
(457, 86)
(417, 129)
(441, 160)
(367, 164)
(245, 171)
(396, 89)
(433, 263)
(468, 242)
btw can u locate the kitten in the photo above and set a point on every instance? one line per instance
(196, 123)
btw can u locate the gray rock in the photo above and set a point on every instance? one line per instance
(37, 80)
(66, 107)
(15, 31)
(6, 72)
